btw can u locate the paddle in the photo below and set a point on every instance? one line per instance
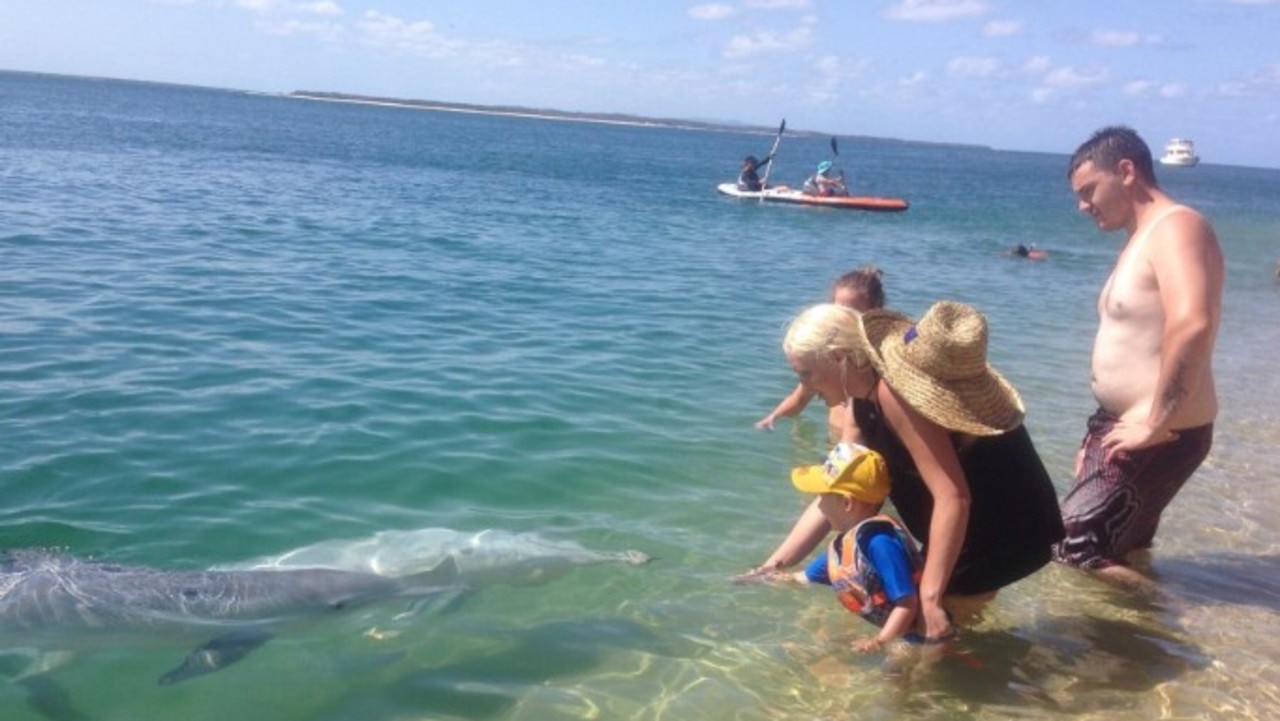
(764, 183)
(835, 155)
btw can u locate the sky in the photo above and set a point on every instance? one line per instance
(1033, 75)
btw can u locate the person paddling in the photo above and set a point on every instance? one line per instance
(749, 178)
(821, 183)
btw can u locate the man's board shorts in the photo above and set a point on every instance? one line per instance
(1115, 506)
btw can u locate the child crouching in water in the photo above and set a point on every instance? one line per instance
(872, 563)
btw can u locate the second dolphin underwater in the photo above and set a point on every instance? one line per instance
(50, 601)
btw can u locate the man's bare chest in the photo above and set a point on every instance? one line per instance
(1131, 291)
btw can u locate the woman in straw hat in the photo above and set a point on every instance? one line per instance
(966, 479)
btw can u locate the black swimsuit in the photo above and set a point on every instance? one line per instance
(748, 179)
(1013, 511)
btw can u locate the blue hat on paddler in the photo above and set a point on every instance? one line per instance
(824, 166)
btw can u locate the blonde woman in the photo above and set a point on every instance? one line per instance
(965, 477)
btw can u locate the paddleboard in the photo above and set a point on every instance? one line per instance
(784, 194)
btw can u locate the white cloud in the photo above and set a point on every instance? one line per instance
(1147, 88)
(279, 17)
(934, 10)
(1138, 88)
(291, 26)
(1069, 77)
(1037, 64)
(1268, 76)
(589, 61)
(824, 88)
(1002, 28)
(828, 65)
(1233, 89)
(389, 31)
(711, 11)
(1122, 38)
(1066, 78)
(769, 42)
(831, 74)
(916, 78)
(970, 67)
(320, 8)
(1264, 82)
(777, 4)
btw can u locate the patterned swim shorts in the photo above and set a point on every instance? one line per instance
(1114, 507)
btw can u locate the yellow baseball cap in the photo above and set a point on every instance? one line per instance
(850, 470)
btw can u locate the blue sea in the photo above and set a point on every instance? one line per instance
(236, 324)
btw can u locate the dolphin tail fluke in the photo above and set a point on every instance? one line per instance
(217, 654)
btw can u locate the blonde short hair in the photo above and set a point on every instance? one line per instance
(825, 329)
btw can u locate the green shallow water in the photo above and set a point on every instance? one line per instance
(234, 325)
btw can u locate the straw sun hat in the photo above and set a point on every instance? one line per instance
(939, 367)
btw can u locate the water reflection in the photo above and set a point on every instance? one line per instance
(1071, 665)
(538, 661)
(1087, 648)
(1222, 577)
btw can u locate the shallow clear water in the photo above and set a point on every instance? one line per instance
(233, 325)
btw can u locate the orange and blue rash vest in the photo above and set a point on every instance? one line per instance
(872, 566)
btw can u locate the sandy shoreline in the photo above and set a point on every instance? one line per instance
(530, 113)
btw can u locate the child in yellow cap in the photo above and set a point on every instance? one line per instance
(873, 564)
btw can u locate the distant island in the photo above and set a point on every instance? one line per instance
(582, 117)
(546, 113)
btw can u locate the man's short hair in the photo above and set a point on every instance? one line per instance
(1108, 146)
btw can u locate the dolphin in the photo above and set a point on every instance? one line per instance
(57, 602)
(49, 600)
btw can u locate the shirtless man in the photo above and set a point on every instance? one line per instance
(1152, 373)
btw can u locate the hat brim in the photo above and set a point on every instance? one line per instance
(878, 324)
(810, 479)
(984, 405)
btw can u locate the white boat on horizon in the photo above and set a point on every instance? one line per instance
(1180, 151)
